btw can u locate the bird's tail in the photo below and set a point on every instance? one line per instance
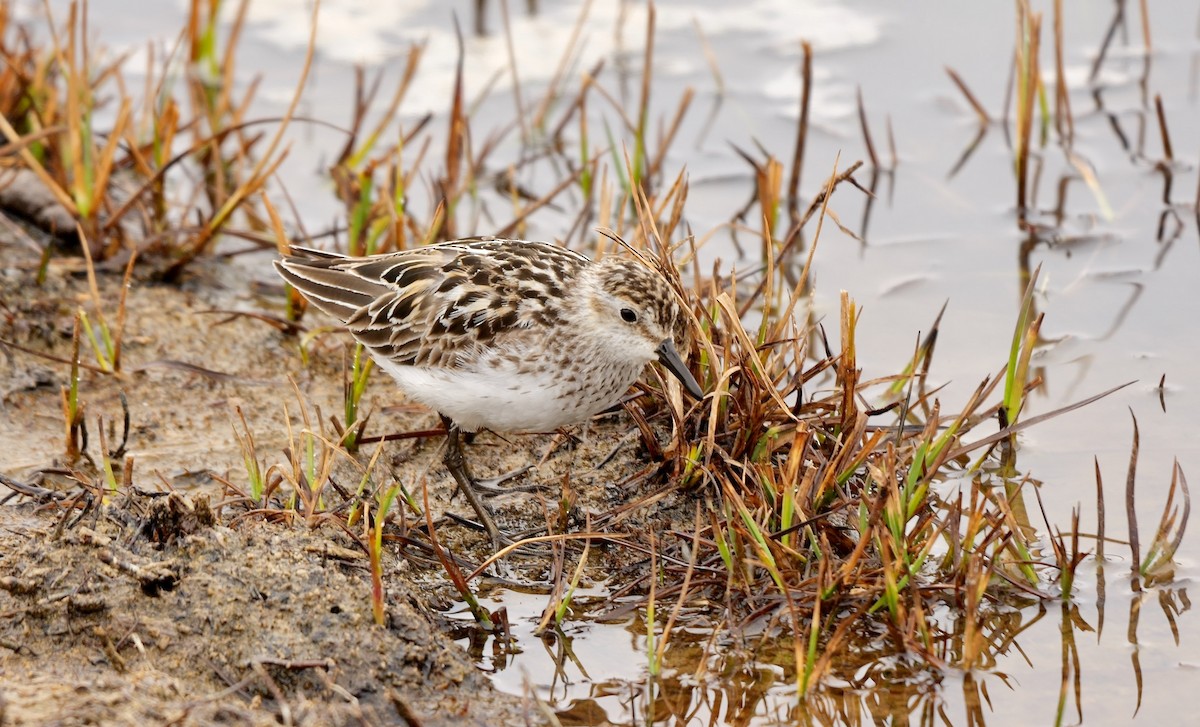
(328, 281)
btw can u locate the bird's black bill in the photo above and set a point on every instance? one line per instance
(669, 357)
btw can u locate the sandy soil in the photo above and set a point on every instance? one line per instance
(188, 608)
(258, 625)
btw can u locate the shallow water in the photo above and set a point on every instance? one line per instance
(1118, 295)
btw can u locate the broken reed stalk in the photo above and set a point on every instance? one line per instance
(980, 111)
(1168, 154)
(640, 173)
(1100, 521)
(1144, 8)
(866, 130)
(654, 168)
(73, 416)
(793, 194)
(1063, 118)
(1118, 20)
(891, 137)
(1135, 550)
(1028, 85)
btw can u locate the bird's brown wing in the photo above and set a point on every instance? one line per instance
(436, 305)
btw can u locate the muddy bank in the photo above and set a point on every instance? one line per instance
(107, 622)
(265, 624)
(150, 608)
(198, 607)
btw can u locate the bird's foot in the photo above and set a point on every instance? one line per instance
(502, 538)
(491, 486)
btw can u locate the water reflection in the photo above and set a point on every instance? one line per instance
(707, 679)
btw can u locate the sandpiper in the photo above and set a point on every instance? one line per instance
(506, 335)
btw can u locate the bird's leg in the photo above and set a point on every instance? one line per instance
(490, 486)
(456, 462)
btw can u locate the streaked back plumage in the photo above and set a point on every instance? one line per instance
(501, 334)
(430, 305)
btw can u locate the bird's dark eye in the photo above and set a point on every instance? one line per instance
(628, 315)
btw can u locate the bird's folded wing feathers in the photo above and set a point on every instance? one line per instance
(432, 306)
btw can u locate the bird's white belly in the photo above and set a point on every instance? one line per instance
(504, 399)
